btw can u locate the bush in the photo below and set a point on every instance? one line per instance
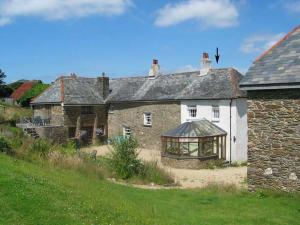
(40, 147)
(152, 173)
(124, 158)
(5, 146)
(36, 90)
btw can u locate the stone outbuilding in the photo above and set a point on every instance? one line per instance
(273, 88)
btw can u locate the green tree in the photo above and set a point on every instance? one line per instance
(2, 76)
(36, 90)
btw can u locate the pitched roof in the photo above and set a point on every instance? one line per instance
(72, 91)
(200, 128)
(20, 91)
(278, 67)
(217, 84)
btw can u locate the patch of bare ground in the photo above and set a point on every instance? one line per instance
(186, 178)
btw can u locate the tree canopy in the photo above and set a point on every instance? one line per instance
(2, 77)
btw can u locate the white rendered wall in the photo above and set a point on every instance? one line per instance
(238, 125)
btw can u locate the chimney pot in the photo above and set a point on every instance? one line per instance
(155, 61)
(205, 55)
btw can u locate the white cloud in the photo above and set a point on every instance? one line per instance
(260, 43)
(60, 9)
(292, 6)
(215, 13)
(186, 68)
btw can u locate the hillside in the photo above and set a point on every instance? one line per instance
(36, 194)
(9, 112)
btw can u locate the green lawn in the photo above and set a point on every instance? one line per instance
(33, 194)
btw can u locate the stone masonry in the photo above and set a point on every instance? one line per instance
(274, 139)
(165, 116)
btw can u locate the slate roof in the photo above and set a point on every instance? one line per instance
(200, 128)
(217, 84)
(277, 68)
(20, 91)
(72, 91)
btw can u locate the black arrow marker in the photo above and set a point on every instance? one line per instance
(217, 55)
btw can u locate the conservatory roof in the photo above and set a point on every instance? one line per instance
(199, 128)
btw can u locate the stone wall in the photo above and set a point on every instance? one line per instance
(71, 113)
(274, 139)
(195, 164)
(57, 134)
(54, 112)
(165, 116)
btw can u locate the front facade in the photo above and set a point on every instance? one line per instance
(273, 87)
(145, 107)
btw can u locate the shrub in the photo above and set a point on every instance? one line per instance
(5, 146)
(152, 173)
(40, 147)
(124, 158)
(37, 89)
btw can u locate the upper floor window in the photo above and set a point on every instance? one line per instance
(147, 119)
(192, 111)
(215, 113)
(126, 131)
(87, 110)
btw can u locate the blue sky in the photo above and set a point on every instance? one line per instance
(49, 38)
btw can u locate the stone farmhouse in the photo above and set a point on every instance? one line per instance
(145, 107)
(273, 87)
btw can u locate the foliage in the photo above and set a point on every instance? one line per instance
(5, 91)
(72, 198)
(124, 157)
(36, 90)
(152, 173)
(2, 77)
(4, 145)
(40, 147)
(17, 84)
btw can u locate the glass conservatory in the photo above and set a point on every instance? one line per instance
(194, 140)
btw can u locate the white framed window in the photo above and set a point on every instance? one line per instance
(215, 113)
(148, 119)
(192, 110)
(126, 131)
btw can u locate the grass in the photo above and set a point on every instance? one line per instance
(33, 193)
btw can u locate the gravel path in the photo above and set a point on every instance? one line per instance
(188, 178)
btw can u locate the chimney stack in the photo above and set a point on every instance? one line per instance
(154, 70)
(206, 64)
(103, 85)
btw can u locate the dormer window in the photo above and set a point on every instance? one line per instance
(192, 110)
(215, 113)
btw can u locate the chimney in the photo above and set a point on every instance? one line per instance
(206, 64)
(154, 71)
(103, 84)
(73, 75)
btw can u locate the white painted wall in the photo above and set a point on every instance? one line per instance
(238, 122)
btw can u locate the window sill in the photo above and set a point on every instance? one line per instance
(147, 125)
(215, 120)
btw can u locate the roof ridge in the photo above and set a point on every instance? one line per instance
(278, 43)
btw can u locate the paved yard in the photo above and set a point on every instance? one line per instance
(190, 178)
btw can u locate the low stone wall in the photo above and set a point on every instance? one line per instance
(58, 134)
(186, 163)
(274, 140)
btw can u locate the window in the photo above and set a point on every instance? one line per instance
(87, 109)
(147, 119)
(215, 113)
(192, 111)
(126, 131)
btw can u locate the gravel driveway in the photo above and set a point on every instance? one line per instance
(189, 178)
